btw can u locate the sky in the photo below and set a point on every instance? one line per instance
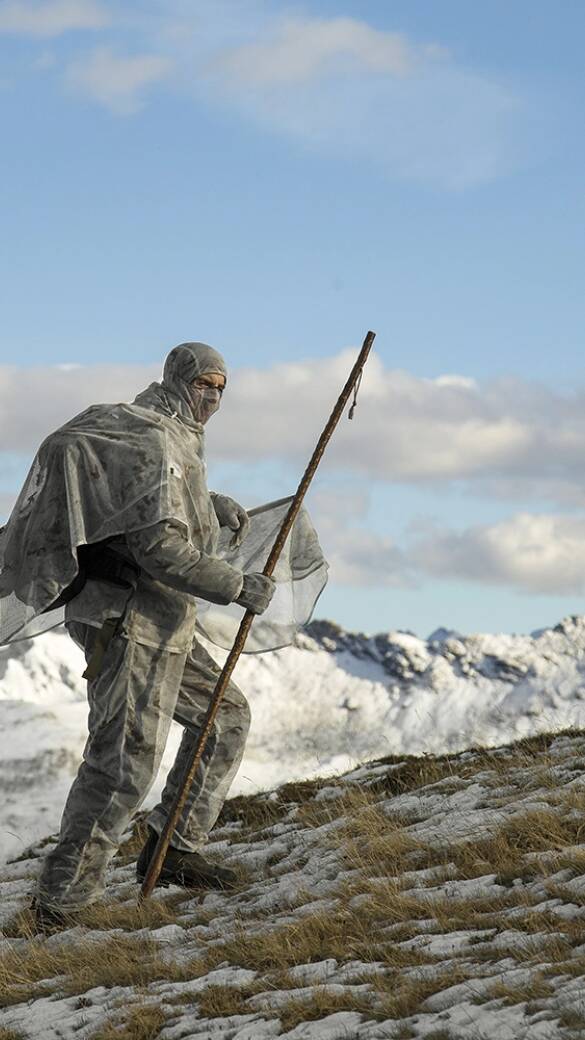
(276, 179)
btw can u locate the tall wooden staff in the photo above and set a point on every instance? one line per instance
(162, 845)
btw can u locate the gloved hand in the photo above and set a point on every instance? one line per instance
(257, 591)
(230, 514)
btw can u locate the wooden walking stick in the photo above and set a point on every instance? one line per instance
(352, 386)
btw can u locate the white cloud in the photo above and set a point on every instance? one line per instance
(528, 552)
(36, 400)
(342, 86)
(409, 428)
(297, 50)
(338, 85)
(514, 435)
(117, 81)
(52, 18)
(511, 434)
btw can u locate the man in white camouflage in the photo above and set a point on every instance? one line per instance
(135, 619)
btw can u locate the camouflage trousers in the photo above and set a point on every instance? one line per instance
(131, 704)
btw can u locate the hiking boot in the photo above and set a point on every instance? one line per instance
(187, 869)
(50, 919)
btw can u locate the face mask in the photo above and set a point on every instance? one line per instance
(205, 401)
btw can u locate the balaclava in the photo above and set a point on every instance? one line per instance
(184, 364)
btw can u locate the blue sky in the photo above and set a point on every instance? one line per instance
(278, 178)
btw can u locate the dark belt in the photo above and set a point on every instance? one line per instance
(100, 562)
(104, 564)
(107, 565)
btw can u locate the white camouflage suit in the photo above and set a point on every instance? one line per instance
(153, 670)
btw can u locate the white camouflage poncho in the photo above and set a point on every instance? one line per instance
(118, 468)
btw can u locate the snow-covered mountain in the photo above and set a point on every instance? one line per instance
(330, 701)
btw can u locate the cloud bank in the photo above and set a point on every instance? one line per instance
(343, 87)
(513, 436)
(299, 50)
(510, 435)
(527, 552)
(339, 85)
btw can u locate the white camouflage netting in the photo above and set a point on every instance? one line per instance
(300, 575)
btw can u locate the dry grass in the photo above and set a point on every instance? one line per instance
(129, 917)
(351, 802)
(535, 921)
(376, 844)
(571, 1018)
(400, 996)
(76, 968)
(254, 812)
(373, 914)
(505, 852)
(544, 830)
(278, 949)
(572, 966)
(301, 790)
(341, 933)
(382, 902)
(412, 772)
(535, 948)
(406, 1032)
(223, 1001)
(478, 912)
(568, 801)
(131, 848)
(140, 1023)
(9, 1034)
(563, 890)
(394, 996)
(380, 848)
(322, 1003)
(537, 988)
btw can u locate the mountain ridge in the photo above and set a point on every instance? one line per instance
(331, 700)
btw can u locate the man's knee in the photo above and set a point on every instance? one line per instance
(237, 706)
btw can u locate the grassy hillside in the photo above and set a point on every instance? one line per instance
(438, 897)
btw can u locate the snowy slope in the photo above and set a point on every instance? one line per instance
(330, 701)
(440, 900)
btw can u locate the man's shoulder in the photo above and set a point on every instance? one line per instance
(116, 414)
(107, 419)
(106, 425)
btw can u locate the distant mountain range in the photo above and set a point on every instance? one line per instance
(332, 700)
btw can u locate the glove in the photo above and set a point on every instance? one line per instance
(257, 591)
(230, 514)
